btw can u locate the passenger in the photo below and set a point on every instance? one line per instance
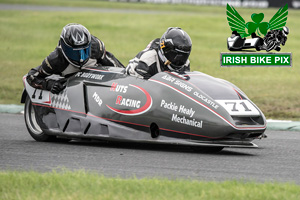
(168, 53)
(76, 49)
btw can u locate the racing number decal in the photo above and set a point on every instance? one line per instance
(245, 106)
(239, 107)
(234, 107)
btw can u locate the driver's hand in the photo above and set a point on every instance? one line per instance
(55, 87)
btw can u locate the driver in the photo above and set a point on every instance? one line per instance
(168, 53)
(76, 49)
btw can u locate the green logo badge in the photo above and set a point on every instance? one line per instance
(268, 36)
(238, 24)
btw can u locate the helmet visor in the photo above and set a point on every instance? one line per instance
(78, 56)
(177, 57)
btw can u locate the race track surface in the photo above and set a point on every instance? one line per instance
(276, 159)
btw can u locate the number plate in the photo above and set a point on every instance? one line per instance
(239, 107)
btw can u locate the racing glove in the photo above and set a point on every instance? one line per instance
(55, 87)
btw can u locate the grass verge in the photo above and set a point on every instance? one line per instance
(27, 37)
(84, 185)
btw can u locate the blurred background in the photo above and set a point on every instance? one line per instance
(30, 30)
(237, 3)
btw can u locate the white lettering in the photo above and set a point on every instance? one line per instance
(277, 59)
(183, 85)
(244, 60)
(168, 78)
(97, 98)
(228, 59)
(90, 75)
(286, 60)
(169, 106)
(190, 112)
(189, 122)
(205, 99)
(128, 102)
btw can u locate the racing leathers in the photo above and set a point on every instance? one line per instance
(149, 62)
(56, 63)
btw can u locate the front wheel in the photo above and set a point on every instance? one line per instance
(270, 46)
(32, 125)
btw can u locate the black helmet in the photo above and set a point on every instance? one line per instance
(75, 41)
(175, 47)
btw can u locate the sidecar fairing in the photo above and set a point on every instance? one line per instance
(237, 43)
(104, 103)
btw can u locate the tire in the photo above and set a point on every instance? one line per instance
(207, 149)
(32, 124)
(270, 46)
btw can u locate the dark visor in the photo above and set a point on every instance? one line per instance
(78, 55)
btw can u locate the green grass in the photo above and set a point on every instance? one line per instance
(84, 185)
(27, 37)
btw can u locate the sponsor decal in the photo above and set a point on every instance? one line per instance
(169, 78)
(178, 83)
(169, 106)
(129, 103)
(97, 98)
(265, 36)
(115, 87)
(182, 110)
(187, 88)
(174, 107)
(190, 112)
(205, 99)
(186, 121)
(89, 75)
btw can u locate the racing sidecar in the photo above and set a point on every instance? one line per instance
(236, 43)
(192, 109)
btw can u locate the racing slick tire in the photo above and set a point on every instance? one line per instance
(33, 127)
(270, 46)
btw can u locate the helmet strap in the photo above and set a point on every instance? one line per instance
(163, 57)
(167, 62)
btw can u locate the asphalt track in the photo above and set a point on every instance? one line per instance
(276, 159)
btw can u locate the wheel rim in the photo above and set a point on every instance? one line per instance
(31, 120)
